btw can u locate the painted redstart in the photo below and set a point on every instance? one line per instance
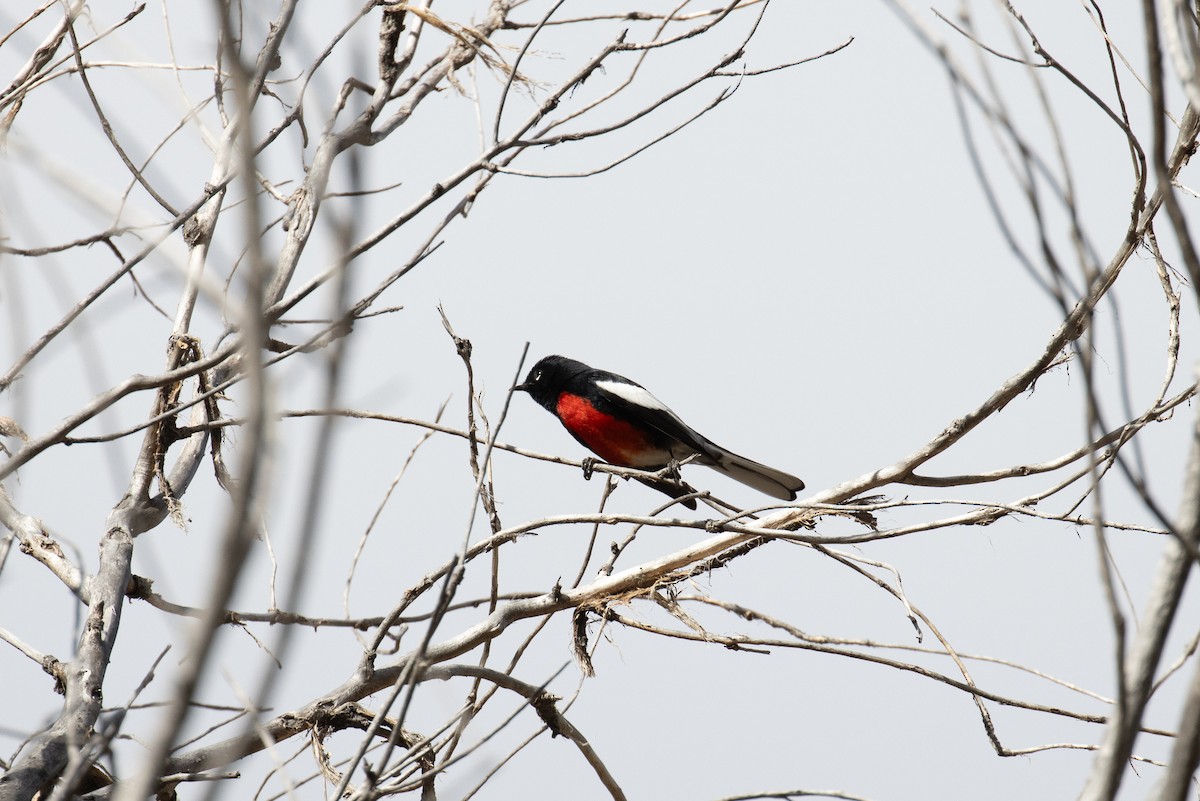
(623, 424)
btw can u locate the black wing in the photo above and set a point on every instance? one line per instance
(655, 414)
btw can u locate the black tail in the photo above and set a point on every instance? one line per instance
(767, 480)
(676, 489)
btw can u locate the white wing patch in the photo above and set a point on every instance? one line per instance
(636, 395)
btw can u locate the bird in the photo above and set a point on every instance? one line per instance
(621, 422)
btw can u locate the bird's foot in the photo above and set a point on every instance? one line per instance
(671, 471)
(589, 466)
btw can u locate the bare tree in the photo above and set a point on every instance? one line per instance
(248, 168)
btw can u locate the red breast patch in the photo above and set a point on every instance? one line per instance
(613, 440)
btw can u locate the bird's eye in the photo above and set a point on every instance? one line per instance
(537, 375)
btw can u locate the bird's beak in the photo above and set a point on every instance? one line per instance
(521, 388)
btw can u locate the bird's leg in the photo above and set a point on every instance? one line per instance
(671, 471)
(589, 465)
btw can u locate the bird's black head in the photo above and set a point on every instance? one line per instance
(546, 379)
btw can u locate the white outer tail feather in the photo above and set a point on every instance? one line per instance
(766, 480)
